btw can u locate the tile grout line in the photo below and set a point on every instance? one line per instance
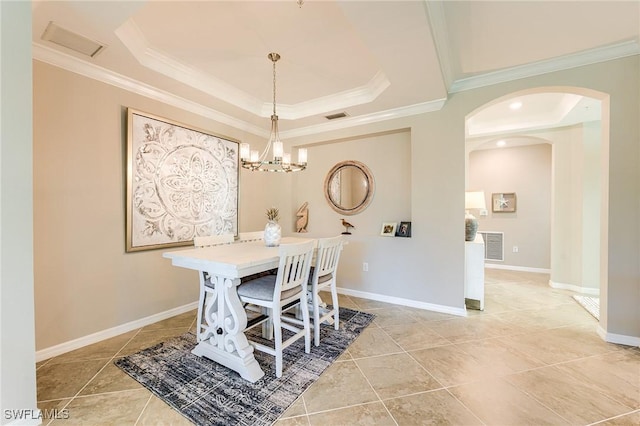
(447, 388)
(473, 413)
(416, 361)
(142, 411)
(540, 402)
(633, 411)
(508, 336)
(465, 347)
(306, 411)
(98, 372)
(360, 404)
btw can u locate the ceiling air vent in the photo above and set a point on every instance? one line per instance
(65, 38)
(337, 115)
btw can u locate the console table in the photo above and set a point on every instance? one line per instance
(474, 273)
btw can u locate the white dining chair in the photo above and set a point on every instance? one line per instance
(244, 237)
(274, 292)
(323, 277)
(206, 286)
(213, 240)
(251, 236)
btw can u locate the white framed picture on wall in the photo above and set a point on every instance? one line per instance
(503, 202)
(388, 229)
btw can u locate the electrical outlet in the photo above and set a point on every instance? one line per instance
(365, 267)
(515, 249)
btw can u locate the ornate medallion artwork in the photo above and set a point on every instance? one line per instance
(181, 183)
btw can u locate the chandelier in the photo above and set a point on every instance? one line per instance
(279, 161)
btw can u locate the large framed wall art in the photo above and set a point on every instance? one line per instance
(181, 183)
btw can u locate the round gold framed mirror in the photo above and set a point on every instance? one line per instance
(349, 187)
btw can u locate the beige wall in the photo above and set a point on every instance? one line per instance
(569, 170)
(591, 201)
(527, 172)
(438, 158)
(388, 156)
(426, 270)
(622, 81)
(85, 282)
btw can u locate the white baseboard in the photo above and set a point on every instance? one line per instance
(576, 288)
(71, 345)
(404, 302)
(619, 339)
(517, 268)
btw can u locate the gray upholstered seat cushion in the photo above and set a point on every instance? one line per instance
(208, 283)
(262, 289)
(273, 272)
(321, 279)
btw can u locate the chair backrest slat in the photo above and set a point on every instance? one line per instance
(251, 236)
(328, 255)
(295, 263)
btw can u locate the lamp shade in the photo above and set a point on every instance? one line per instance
(474, 200)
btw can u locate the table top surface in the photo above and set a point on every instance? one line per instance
(233, 260)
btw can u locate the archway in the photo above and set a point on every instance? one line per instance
(576, 125)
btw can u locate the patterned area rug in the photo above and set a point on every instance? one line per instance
(591, 304)
(208, 393)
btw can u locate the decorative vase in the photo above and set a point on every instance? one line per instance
(272, 234)
(470, 227)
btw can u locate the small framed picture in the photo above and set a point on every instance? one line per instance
(404, 229)
(503, 202)
(388, 229)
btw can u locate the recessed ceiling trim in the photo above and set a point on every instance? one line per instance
(440, 34)
(79, 66)
(86, 69)
(343, 100)
(366, 119)
(587, 57)
(133, 39)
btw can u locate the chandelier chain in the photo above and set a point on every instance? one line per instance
(274, 87)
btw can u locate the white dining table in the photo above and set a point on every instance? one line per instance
(223, 339)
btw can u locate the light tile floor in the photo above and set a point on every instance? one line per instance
(532, 357)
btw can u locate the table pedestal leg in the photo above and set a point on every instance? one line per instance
(223, 339)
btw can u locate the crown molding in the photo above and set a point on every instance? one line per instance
(134, 40)
(79, 66)
(587, 57)
(86, 69)
(440, 34)
(335, 102)
(360, 120)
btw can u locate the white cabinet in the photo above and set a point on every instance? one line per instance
(474, 273)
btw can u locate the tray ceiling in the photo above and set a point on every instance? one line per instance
(374, 60)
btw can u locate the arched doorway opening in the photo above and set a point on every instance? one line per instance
(567, 127)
